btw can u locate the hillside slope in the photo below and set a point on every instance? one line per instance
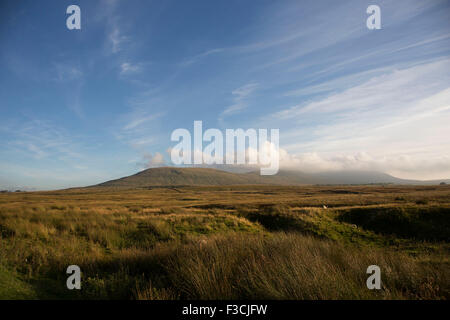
(168, 176)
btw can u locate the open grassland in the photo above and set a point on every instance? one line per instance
(255, 242)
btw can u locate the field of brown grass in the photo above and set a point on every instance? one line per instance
(228, 242)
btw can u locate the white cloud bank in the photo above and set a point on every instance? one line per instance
(397, 122)
(152, 161)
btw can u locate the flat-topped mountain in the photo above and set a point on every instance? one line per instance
(172, 176)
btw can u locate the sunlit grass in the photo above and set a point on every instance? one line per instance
(255, 242)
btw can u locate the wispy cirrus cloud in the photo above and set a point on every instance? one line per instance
(240, 96)
(138, 128)
(117, 40)
(65, 71)
(138, 119)
(130, 68)
(396, 89)
(200, 56)
(293, 43)
(41, 139)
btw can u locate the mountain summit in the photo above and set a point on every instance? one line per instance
(171, 176)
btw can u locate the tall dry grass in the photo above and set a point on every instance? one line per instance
(226, 243)
(292, 266)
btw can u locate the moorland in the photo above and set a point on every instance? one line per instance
(226, 242)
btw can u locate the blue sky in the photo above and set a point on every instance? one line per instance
(83, 106)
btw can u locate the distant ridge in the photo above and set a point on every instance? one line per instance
(173, 176)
